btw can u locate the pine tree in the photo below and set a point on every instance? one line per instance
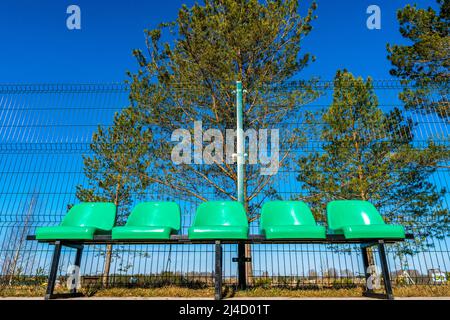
(425, 62)
(117, 168)
(367, 154)
(192, 78)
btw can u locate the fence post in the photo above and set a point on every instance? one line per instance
(242, 281)
(218, 271)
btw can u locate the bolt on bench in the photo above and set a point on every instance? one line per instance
(217, 223)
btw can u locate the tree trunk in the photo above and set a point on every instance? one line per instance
(249, 266)
(108, 255)
(107, 268)
(363, 194)
(248, 247)
(370, 257)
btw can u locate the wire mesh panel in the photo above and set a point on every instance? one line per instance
(50, 134)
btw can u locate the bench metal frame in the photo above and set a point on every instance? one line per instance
(254, 239)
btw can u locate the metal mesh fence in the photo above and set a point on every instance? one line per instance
(45, 130)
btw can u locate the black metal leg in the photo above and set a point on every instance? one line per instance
(242, 277)
(77, 263)
(218, 272)
(53, 270)
(366, 267)
(385, 271)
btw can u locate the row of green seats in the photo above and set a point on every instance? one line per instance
(223, 220)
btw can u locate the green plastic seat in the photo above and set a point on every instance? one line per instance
(219, 220)
(357, 219)
(82, 222)
(150, 220)
(289, 220)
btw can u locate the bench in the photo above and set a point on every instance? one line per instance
(218, 223)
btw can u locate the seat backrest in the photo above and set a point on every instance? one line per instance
(352, 212)
(285, 213)
(221, 213)
(156, 214)
(100, 215)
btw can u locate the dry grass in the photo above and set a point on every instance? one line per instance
(292, 293)
(181, 292)
(22, 291)
(423, 291)
(170, 291)
(411, 291)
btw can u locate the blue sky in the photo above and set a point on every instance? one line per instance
(37, 46)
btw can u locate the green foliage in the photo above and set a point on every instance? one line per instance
(369, 155)
(344, 283)
(214, 44)
(425, 61)
(118, 165)
(262, 282)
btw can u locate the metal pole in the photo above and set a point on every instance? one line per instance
(53, 274)
(240, 178)
(240, 142)
(385, 270)
(218, 272)
(366, 267)
(78, 264)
